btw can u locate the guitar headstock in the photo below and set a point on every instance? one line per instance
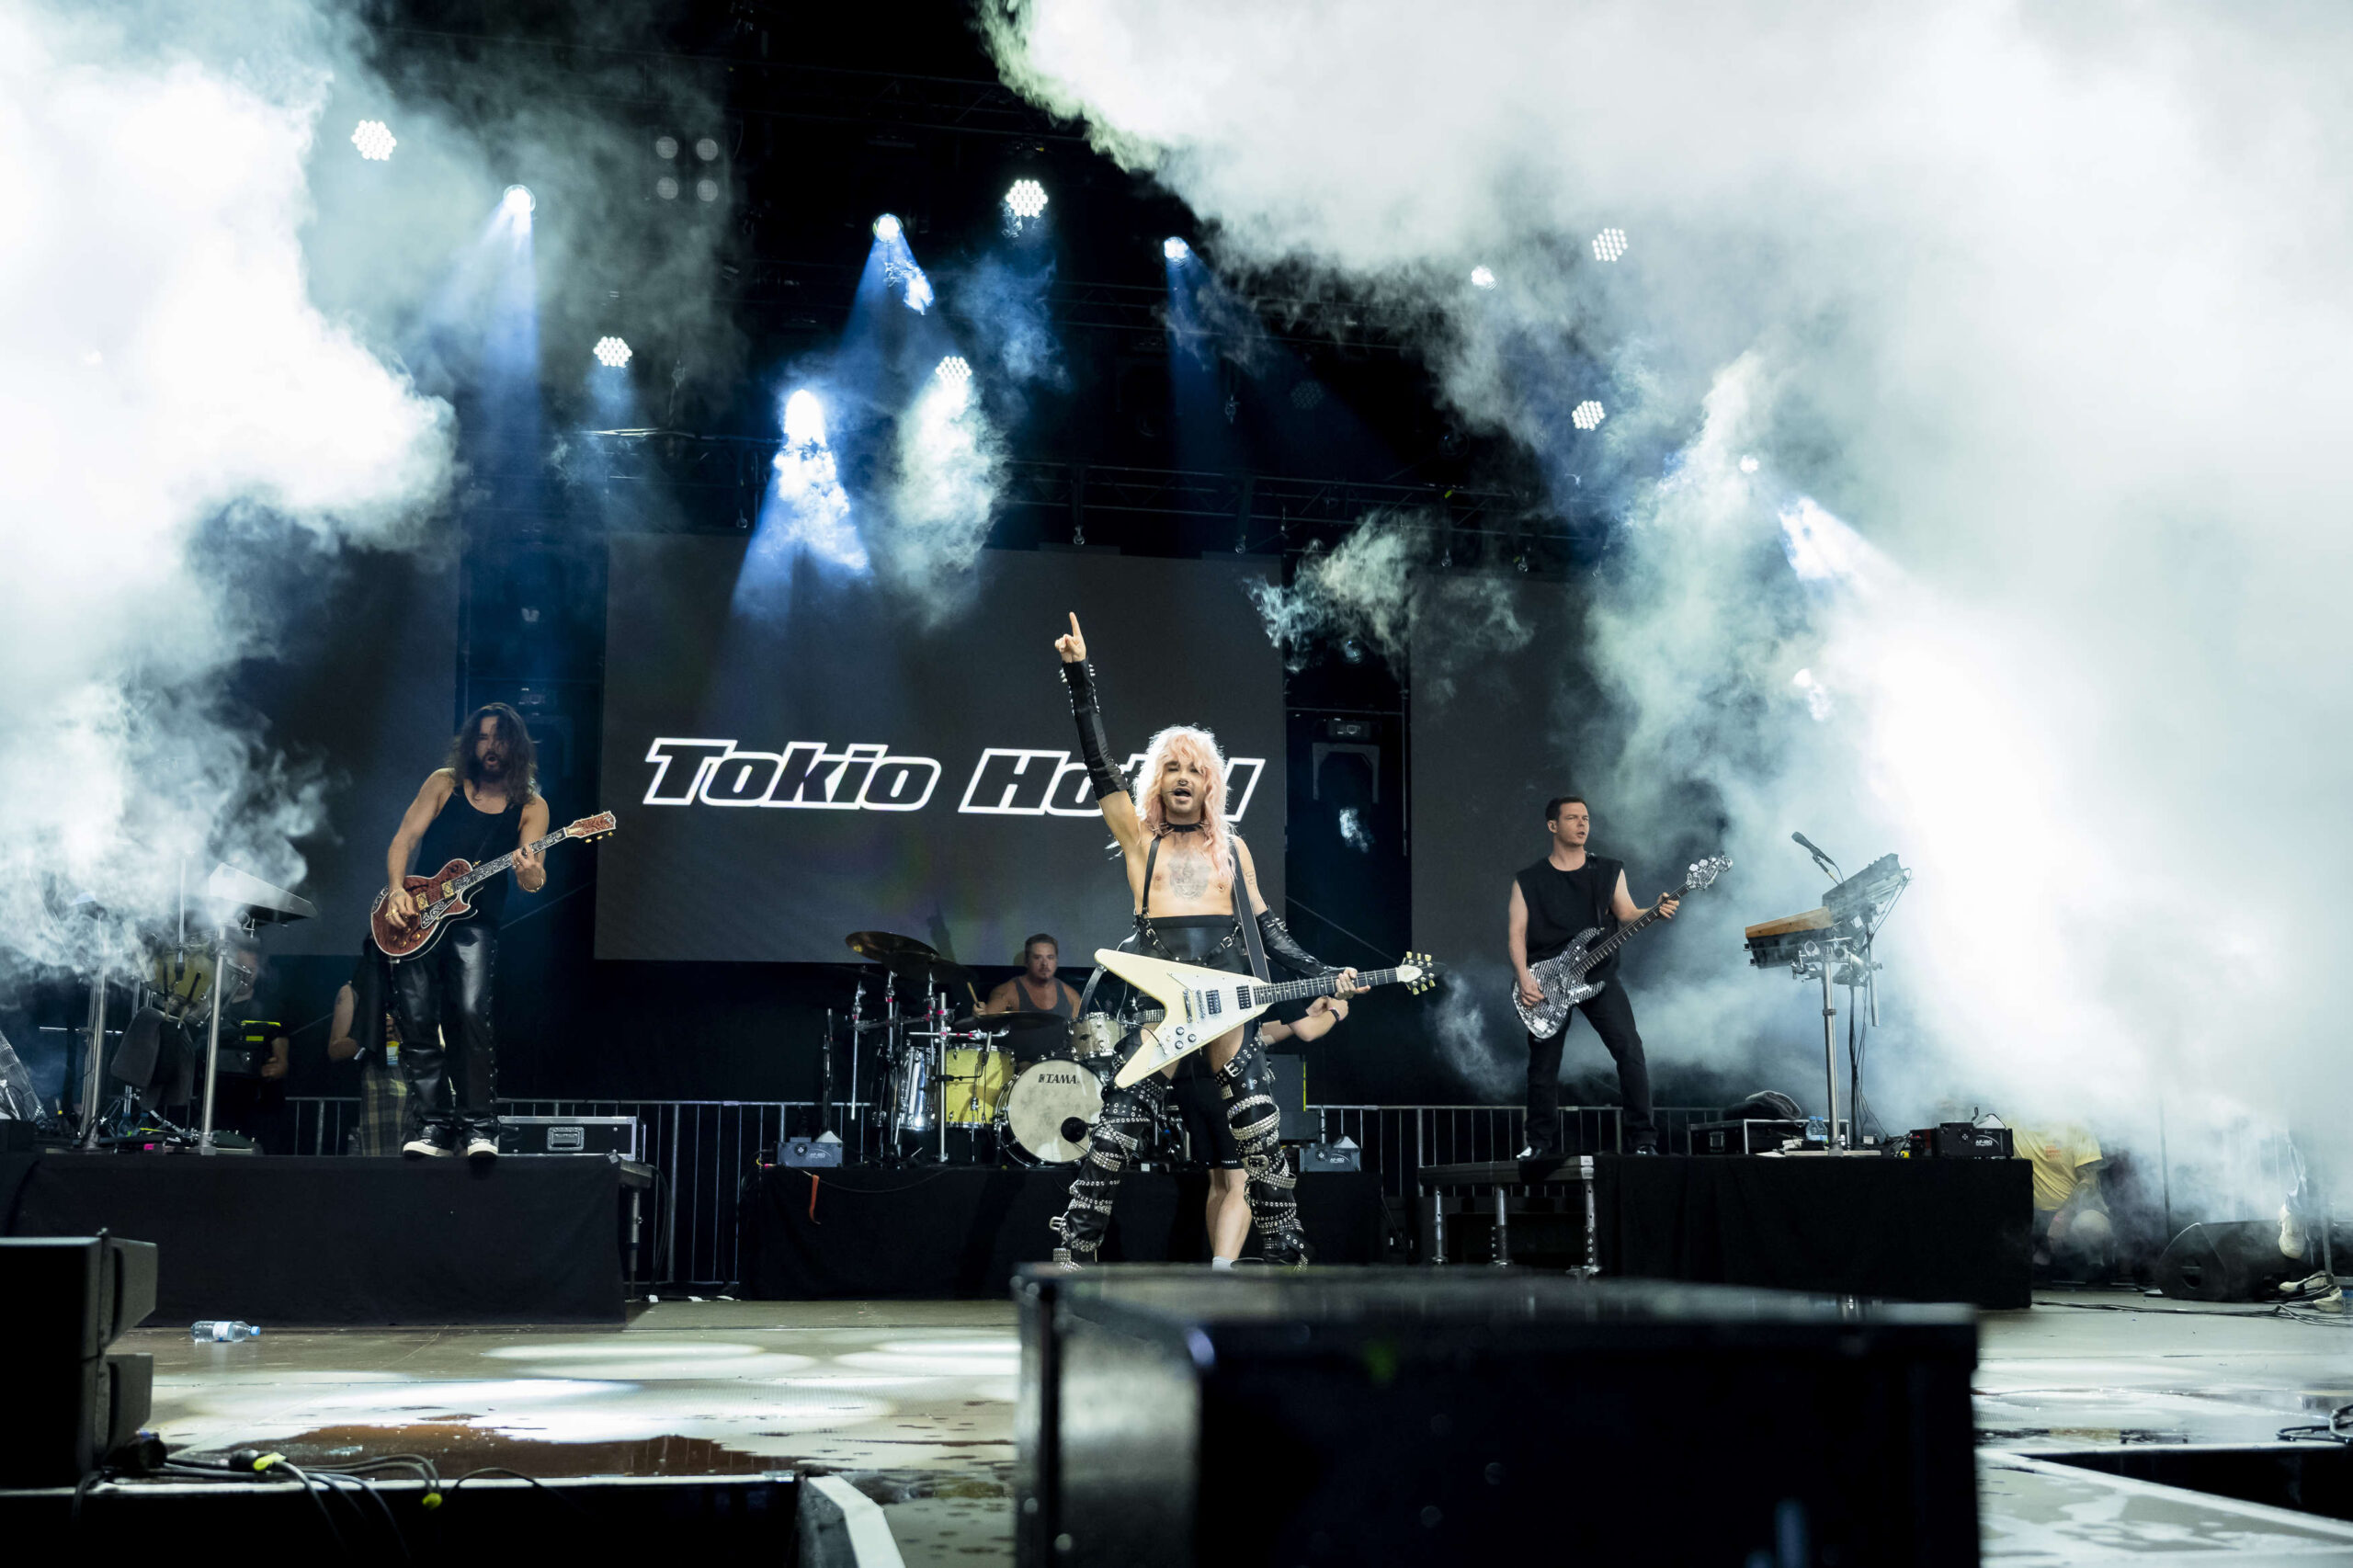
(1419, 971)
(1705, 872)
(596, 826)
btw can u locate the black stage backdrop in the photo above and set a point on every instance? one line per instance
(1491, 743)
(838, 759)
(361, 684)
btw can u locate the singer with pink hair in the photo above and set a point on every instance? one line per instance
(1193, 883)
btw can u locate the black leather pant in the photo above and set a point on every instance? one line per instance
(1124, 1128)
(443, 1000)
(1613, 1018)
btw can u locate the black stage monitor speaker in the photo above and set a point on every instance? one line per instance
(2232, 1260)
(1173, 1416)
(63, 1301)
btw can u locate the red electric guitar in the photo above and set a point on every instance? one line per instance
(441, 897)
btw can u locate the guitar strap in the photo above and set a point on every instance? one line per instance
(1249, 926)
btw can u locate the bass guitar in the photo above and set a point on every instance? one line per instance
(441, 897)
(1563, 976)
(1199, 1005)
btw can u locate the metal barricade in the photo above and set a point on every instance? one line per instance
(703, 1152)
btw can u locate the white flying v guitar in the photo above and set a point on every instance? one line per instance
(1202, 1003)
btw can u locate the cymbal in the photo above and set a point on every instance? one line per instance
(1008, 1023)
(884, 945)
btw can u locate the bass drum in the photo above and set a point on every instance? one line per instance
(1047, 1111)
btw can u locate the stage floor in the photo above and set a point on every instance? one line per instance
(915, 1399)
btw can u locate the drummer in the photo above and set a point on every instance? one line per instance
(1034, 989)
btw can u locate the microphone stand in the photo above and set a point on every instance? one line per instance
(220, 957)
(1825, 958)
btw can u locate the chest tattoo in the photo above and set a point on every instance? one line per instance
(1189, 875)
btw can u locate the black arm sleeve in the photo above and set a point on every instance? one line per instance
(1094, 749)
(1284, 950)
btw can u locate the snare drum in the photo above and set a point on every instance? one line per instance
(975, 1077)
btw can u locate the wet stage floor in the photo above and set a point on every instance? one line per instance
(914, 1400)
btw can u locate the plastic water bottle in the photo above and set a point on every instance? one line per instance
(1817, 1132)
(222, 1333)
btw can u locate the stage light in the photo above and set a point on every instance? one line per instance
(1307, 396)
(1586, 416)
(1175, 249)
(1748, 465)
(1481, 278)
(665, 147)
(706, 190)
(706, 149)
(375, 140)
(667, 188)
(518, 201)
(611, 353)
(804, 419)
(1026, 199)
(1609, 244)
(886, 228)
(954, 369)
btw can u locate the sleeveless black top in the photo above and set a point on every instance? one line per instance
(1064, 994)
(1562, 903)
(461, 832)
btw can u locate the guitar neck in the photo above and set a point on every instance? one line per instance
(490, 869)
(1618, 937)
(1322, 985)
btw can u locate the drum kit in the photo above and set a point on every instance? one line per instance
(174, 1048)
(1022, 1087)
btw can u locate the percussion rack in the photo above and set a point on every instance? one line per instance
(1833, 945)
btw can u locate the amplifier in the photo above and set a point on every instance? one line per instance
(1742, 1137)
(1956, 1141)
(1341, 1155)
(809, 1153)
(568, 1135)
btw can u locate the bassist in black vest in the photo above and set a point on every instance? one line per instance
(1565, 894)
(477, 808)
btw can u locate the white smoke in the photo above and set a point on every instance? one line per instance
(811, 510)
(170, 396)
(2051, 307)
(937, 518)
(1490, 1061)
(1001, 308)
(1365, 586)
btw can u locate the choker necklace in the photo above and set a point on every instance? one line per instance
(1182, 828)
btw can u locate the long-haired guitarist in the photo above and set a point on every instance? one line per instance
(1565, 894)
(1182, 859)
(478, 807)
